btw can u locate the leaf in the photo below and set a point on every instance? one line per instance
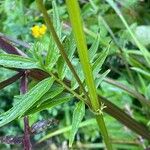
(101, 77)
(56, 19)
(70, 48)
(26, 101)
(15, 61)
(99, 62)
(52, 93)
(136, 63)
(144, 72)
(74, 83)
(50, 103)
(77, 27)
(52, 56)
(93, 49)
(78, 115)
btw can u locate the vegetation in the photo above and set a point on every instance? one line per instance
(74, 74)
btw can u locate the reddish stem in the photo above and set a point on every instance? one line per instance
(10, 80)
(26, 138)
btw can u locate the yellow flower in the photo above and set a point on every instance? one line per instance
(35, 31)
(38, 31)
(42, 29)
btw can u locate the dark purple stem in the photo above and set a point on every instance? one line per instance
(26, 138)
(10, 80)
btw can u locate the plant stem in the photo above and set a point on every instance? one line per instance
(51, 29)
(76, 21)
(10, 80)
(69, 89)
(26, 138)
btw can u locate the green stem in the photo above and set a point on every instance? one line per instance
(68, 88)
(76, 21)
(103, 130)
(51, 29)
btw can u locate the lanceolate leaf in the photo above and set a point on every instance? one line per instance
(78, 115)
(56, 19)
(101, 77)
(70, 49)
(51, 94)
(50, 103)
(144, 72)
(26, 101)
(99, 62)
(15, 61)
(93, 49)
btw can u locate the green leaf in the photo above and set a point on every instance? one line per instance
(53, 52)
(70, 48)
(50, 103)
(52, 93)
(78, 115)
(144, 72)
(15, 61)
(26, 101)
(99, 62)
(52, 56)
(93, 49)
(134, 61)
(74, 83)
(101, 77)
(56, 18)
